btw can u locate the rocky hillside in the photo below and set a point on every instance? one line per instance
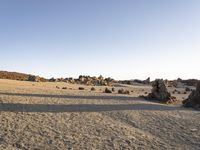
(16, 76)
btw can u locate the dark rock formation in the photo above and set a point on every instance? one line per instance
(160, 92)
(194, 98)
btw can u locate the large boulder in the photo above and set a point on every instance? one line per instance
(194, 98)
(159, 92)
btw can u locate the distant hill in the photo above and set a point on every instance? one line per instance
(16, 76)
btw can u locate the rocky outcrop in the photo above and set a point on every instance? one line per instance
(92, 81)
(193, 99)
(34, 78)
(159, 92)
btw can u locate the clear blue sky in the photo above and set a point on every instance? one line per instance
(123, 39)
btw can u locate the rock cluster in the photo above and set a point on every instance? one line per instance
(100, 81)
(160, 92)
(122, 91)
(87, 80)
(194, 98)
(34, 78)
(179, 82)
(190, 82)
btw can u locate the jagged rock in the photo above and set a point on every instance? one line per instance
(194, 98)
(147, 81)
(160, 92)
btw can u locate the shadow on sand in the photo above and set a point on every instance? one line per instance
(57, 108)
(17, 107)
(73, 96)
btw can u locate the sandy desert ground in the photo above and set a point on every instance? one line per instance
(39, 116)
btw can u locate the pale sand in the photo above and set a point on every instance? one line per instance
(39, 116)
